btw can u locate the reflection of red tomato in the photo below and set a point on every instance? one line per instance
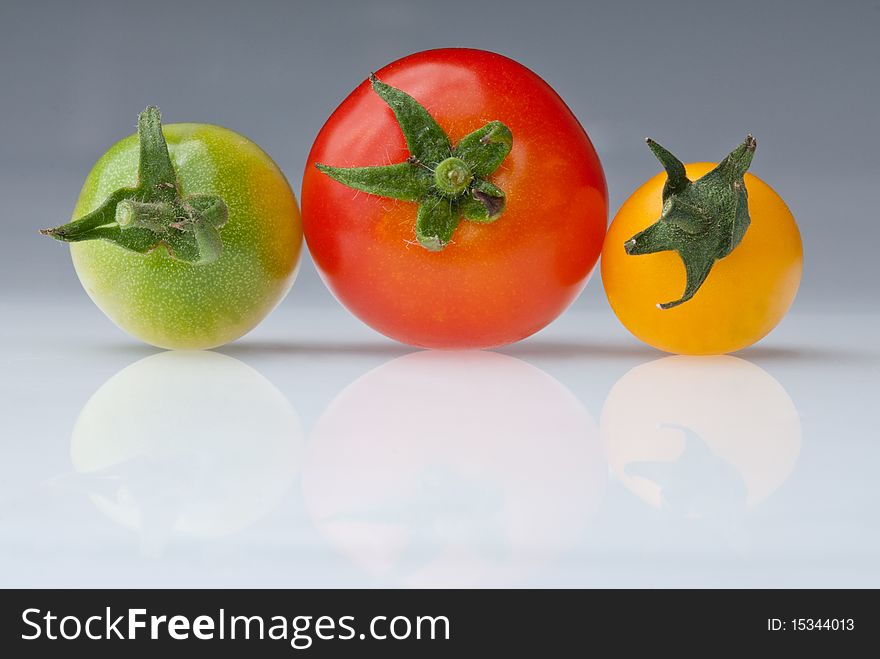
(453, 469)
(494, 283)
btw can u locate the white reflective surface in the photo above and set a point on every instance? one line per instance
(316, 453)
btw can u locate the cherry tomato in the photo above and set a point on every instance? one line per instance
(185, 235)
(709, 281)
(454, 201)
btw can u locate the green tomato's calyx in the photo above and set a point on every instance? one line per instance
(154, 213)
(449, 183)
(702, 220)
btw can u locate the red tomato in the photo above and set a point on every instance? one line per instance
(493, 282)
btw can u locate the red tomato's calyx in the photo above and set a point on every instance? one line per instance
(154, 213)
(702, 220)
(452, 177)
(449, 183)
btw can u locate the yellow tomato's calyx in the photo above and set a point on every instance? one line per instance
(702, 220)
(154, 213)
(676, 178)
(449, 183)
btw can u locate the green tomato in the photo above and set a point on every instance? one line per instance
(165, 277)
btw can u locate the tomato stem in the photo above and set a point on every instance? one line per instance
(702, 220)
(154, 213)
(452, 177)
(449, 183)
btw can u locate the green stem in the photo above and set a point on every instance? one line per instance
(154, 213)
(452, 177)
(702, 220)
(155, 216)
(449, 183)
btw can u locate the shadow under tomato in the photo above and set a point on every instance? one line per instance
(247, 348)
(568, 349)
(131, 348)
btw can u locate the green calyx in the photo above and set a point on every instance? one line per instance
(154, 213)
(452, 176)
(449, 183)
(702, 220)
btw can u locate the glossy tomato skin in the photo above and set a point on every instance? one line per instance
(172, 304)
(745, 295)
(494, 283)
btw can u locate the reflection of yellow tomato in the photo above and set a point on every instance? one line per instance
(700, 436)
(745, 295)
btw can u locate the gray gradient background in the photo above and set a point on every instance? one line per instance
(801, 76)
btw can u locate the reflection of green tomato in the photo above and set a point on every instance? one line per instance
(700, 436)
(173, 304)
(192, 443)
(452, 469)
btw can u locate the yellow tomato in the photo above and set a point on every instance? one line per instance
(745, 295)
